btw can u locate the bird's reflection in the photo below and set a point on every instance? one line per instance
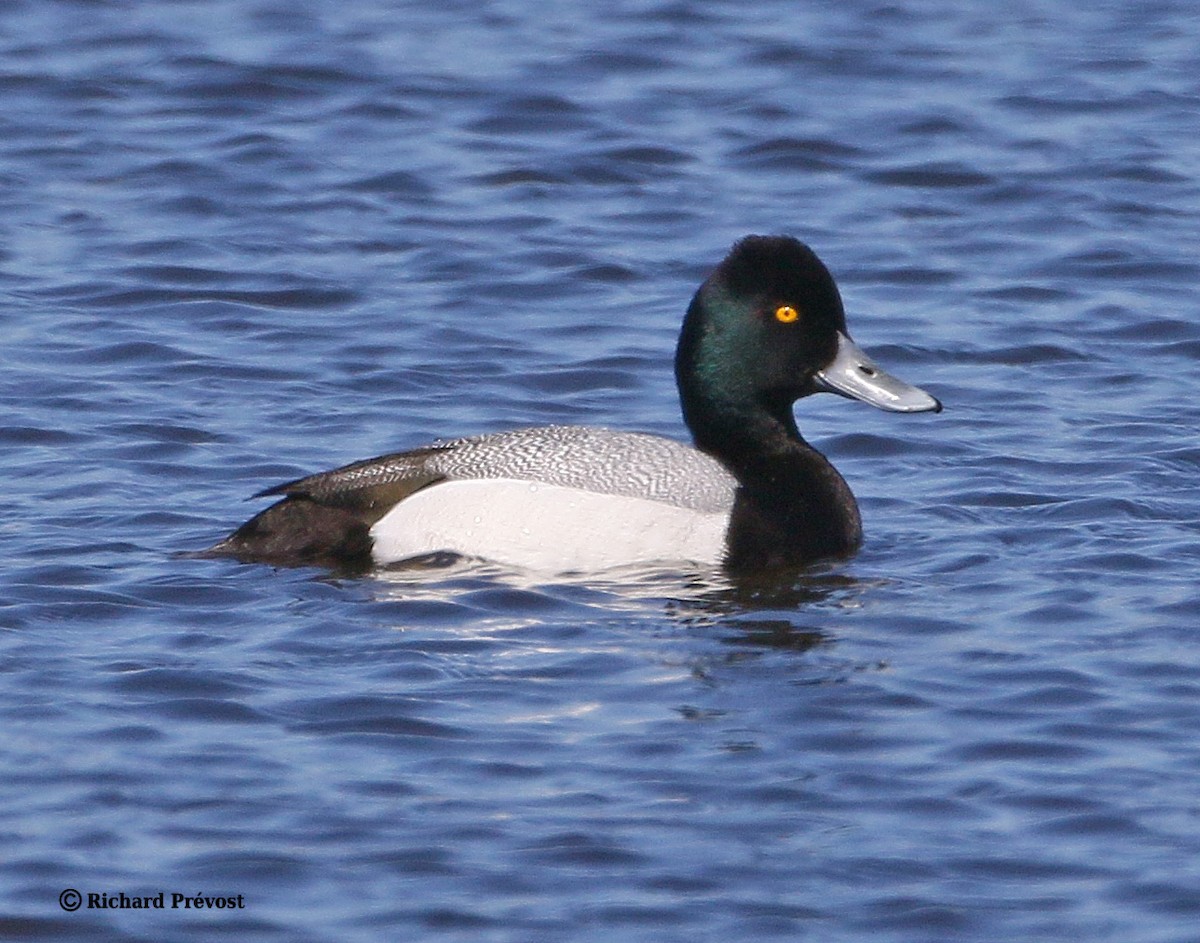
(780, 609)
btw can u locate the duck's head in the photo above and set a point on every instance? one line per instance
(767, 328)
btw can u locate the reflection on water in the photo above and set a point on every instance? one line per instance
(777, 610)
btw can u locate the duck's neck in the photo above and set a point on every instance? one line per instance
(734, 426)
(792, 505)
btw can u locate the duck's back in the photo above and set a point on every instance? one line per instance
(598, 460)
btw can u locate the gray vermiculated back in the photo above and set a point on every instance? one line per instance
(605, 461)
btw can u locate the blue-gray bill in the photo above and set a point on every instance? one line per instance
(853, 374)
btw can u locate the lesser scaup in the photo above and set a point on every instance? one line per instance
(765, 329)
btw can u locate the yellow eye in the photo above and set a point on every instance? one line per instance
(786, 314)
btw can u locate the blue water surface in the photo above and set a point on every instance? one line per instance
(243, 240)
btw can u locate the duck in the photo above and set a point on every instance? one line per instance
(764, 330)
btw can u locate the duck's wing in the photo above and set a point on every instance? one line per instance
(373, 484)
(599, 460)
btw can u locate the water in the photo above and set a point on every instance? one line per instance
(242, 241)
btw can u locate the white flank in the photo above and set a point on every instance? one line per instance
(545, 527)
